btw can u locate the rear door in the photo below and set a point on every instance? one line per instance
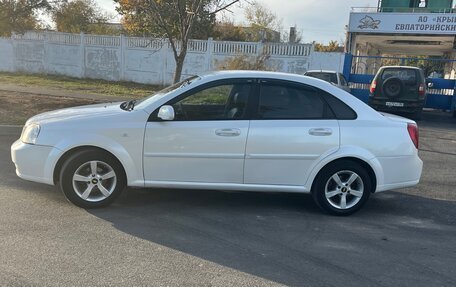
(291, 129)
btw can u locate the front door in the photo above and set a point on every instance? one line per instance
(292, 128)
(206, 140)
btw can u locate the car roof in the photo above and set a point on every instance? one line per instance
(322, 71)
(400, 67)
(232, 74)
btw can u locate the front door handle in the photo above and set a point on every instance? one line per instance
(228, 132)
(320, 132)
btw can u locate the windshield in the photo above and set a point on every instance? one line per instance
(158, 95)
(328, 77)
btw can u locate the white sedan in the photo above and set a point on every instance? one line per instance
(234, 130)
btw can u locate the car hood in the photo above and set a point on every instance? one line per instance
(74, 113)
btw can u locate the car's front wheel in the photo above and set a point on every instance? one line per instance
(342, 188)
(92, 178)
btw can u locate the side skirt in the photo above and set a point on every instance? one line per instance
(228, 186)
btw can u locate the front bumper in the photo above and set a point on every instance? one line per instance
(34, 162)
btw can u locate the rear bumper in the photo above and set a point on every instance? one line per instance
(399, 172)
(34, 162)
(393, 106)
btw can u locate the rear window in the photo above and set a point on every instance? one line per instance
(407, 75)
(328, 77)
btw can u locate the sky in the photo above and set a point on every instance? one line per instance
(317, 20)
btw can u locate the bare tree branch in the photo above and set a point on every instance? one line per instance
(224, 7)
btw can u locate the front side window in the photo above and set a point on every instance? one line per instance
(221, 102)
(289, 102)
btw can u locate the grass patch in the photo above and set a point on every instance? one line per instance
(120, 89)
(17, 107)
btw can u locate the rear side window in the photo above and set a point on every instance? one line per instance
(406, 75)
(339, 108)
(289, 102)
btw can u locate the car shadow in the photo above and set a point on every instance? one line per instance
(280, 237)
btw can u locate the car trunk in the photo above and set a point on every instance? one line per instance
(398, 85)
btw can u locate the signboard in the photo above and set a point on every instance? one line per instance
(403, 23)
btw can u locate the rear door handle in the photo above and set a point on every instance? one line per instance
(228, 132)
(320, 132)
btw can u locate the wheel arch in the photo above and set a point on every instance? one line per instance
(364, 164)
(63, 158)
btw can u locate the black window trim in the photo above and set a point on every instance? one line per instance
(253, 101)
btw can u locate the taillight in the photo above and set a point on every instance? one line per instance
(413, 132)
(421, 90)
(373, 87)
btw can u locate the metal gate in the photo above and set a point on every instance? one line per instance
(360, 70)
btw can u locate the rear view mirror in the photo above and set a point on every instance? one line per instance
(166, 113)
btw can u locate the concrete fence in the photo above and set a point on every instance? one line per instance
(145, 60)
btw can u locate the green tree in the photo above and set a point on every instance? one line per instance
(138, 21)
(428, 64)
(333, 46)
(264, 24)
(173, 19)
(246, 62)
(20, 15)
(228, 31)
(80, 16)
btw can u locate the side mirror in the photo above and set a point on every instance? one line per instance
(166, 113)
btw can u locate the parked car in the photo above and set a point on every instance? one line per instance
(399, 89)
(332, 77)
(233, 130)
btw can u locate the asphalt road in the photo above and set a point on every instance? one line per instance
(203, 238)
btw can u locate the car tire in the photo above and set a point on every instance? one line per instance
(393, 87)
(92, 178)
(342, 188)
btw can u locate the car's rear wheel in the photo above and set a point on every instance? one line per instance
(342, 188)
(92, 178)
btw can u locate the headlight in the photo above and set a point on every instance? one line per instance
(30, 133)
